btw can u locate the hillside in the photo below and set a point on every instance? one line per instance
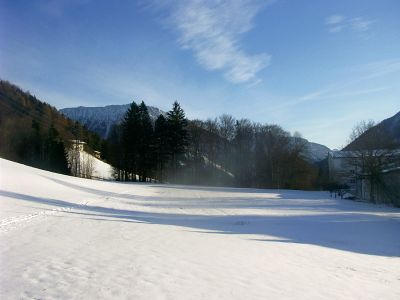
(101, 119)
(68, 238)
(392, 126)
(384, 133)
(26, 122)
(314, 152)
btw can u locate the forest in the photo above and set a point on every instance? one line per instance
(224, 151)
(171, 149)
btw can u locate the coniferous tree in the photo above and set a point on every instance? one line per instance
(56, 160)
(178, 136)
(145, 139)
(161, 153)
(130, 137)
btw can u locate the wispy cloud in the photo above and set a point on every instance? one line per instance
(338, 23)
(379, 68)
(330, 93)
(349, 88)
(212, 31)
(57, 8)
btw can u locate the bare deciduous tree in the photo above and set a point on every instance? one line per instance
(373, 152)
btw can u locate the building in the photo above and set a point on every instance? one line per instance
(350, 168)
(388, 191)
(77, 145)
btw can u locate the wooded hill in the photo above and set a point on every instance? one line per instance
(34, 133)
(384, 135)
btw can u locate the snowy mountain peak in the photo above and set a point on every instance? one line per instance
(101, 119)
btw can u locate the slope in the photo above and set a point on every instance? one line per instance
(385, 132)
(19, 111)
(66, 237)
(392, 126)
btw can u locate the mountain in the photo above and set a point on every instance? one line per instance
(316, 152)
(392, 126)
(384, 133)
(101, 119)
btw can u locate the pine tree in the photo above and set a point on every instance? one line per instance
(145, 139)
(160, 146)
(56, 157)
(130, 137)
(178, 136)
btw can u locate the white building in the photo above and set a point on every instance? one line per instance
(77, 145)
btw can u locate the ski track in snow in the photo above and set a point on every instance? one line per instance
(25, 220)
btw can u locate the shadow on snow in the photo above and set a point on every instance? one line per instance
(357, 231)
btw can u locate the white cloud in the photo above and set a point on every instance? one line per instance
(360, 24)
(212, 30)
(334, 19)
(338, 23)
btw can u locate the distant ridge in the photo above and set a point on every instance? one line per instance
(390, 126)
(101, 119)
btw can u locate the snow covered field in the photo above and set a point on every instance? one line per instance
(68, 238)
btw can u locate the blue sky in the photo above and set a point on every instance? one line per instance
(313, 66)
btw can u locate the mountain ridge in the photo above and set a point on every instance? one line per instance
(390, 127)
(100, 119)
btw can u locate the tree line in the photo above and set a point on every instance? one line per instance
(223, 151)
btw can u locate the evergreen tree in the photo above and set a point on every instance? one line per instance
(160, 146)
(178, 136)
(35, 155)
(56, 157)
(130, 137)
(145, 139)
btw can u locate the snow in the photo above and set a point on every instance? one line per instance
(70, 238)
(101, 170)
